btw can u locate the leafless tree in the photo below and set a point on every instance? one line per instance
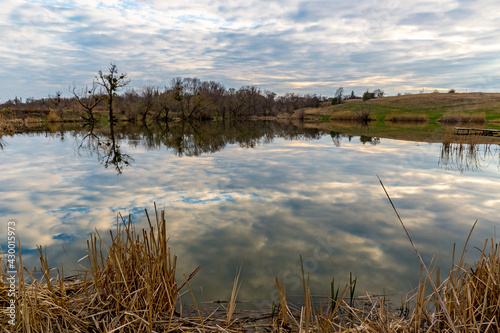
(112, 82)
(269, 102)
(338, 95)
(235, 100)
(149, 96)
(88, 99)
(165, 102)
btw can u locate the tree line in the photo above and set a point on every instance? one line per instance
(184, 98)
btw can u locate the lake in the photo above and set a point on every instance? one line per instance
(255, 195)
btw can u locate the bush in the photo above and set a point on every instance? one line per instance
(453, 118)
(451, 91)
(52, 117)
(367, 96)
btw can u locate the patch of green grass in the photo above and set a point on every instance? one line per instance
(104, 120)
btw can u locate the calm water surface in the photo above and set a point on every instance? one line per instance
(255, 195)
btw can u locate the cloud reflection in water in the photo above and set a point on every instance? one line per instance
(258, 207)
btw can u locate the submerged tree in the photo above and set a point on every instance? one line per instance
(112, 82)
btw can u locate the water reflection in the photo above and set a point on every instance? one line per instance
(2, 143)
(468, 156)
(184, 138)
(293, 193)
(105, 147)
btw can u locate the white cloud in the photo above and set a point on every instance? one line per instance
(301, 46)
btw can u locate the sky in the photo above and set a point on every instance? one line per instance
(283, 46)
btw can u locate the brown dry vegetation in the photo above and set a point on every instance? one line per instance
(6, 127)
(408, 118)
(355, 116)
(456, 118)
(131, 286)
(53, 117)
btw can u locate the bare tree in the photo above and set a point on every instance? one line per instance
(112, 82)
(378, 93)
(89, 98)
(269, 102)
(149, 96)
(165, 101)
(235, 100)
(338, 95)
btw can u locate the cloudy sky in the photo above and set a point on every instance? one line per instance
(284, 46)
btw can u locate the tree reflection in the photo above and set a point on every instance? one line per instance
(197, 138)
(183, 138)
(337, 138)
(106, 148)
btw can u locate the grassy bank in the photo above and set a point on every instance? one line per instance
(434, 106)
(407, 131)
(132, 286)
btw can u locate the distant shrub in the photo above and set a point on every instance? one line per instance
(451, 91)
(408, 118)
(453, 118)
(377, 93)
(361, 116)
(367, 96)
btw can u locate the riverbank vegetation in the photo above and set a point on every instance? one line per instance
(422, 114)
(109, 99)
(130, 284)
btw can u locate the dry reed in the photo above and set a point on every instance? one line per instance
(6, 126)
(130, 286)
(455, 118)
(53, 117)
(362, 115)
(407, 118)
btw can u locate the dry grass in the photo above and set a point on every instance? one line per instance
(472, 98)
(432, 105)
(408, 118)
(354, 116)
(468, 300)
(32, 120)
(6, 126)
(53, 117)
(455, 118)
(131, 286)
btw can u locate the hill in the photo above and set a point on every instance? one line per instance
(432, 105)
